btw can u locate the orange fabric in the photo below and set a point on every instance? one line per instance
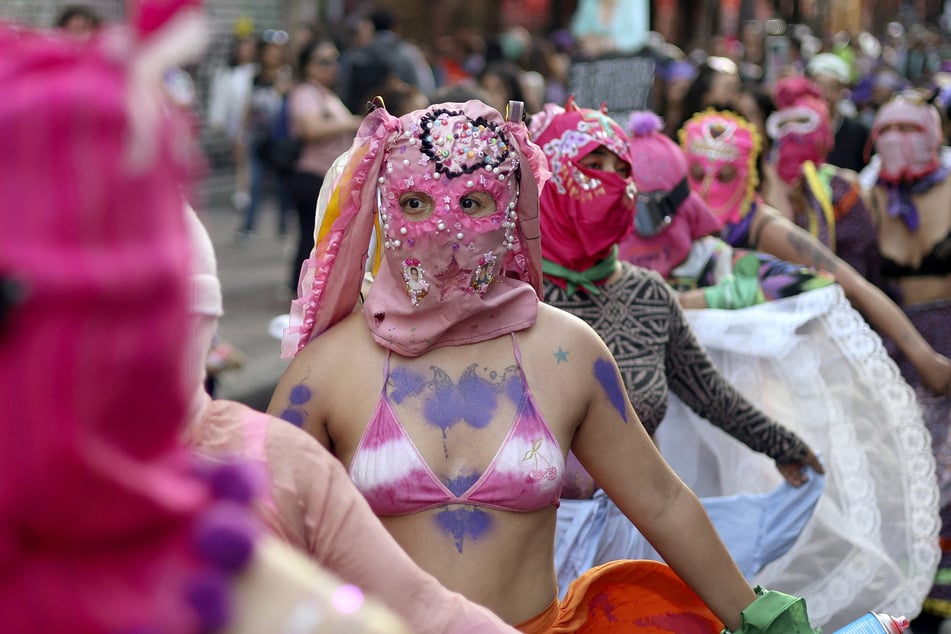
(623, 595)
(847, 201)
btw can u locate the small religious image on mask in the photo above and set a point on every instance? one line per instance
(416, 285)
(482, 276)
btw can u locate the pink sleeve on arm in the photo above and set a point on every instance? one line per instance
(316, 499)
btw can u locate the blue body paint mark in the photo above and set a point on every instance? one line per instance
(405, 383)
(299, 395)
(444, 408)
(480, 400)
(514, 389)
(463, 483)
(462, 523)
(607, 377)
(293, 416)
(560, 355)
(474, 401)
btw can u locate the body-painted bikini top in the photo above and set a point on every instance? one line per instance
(526, 474)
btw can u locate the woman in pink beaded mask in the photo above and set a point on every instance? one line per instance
(452, 395)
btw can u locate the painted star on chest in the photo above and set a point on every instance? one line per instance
(561, 355)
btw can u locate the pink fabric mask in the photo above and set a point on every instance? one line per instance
(456, 188)
(660, 166)
(803, 132)
(584, 212)
(721, 150)
(907, 154)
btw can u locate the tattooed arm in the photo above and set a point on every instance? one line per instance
(612, 444)
(780, 237)
(692, 376)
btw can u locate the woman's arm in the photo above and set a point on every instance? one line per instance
(283, 591)
(612, 444)
(692, 376)
(780, 237)
(310, 121)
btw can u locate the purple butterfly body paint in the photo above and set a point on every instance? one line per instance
(607, 377)
(514, 389)
(480, 400)
(462, 523)
(445, 407)
(473, 400)
(405, 383)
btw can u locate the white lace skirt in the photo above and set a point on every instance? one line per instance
(813, 363)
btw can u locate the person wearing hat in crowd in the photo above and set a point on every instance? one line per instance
(834, 77)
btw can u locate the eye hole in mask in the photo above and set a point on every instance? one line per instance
(12, 294)
(794, 120)
(656, 210)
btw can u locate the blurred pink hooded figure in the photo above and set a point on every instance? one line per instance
(108, 523)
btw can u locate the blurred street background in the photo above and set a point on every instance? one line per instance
(458, 41)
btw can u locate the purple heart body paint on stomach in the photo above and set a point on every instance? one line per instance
(463, 522)
(608, 378)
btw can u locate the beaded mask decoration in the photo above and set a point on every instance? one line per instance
(454, 190)
(447, 201)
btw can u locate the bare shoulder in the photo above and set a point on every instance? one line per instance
(329, 370)
(338, 348)
(560, 354)
(552, 320)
